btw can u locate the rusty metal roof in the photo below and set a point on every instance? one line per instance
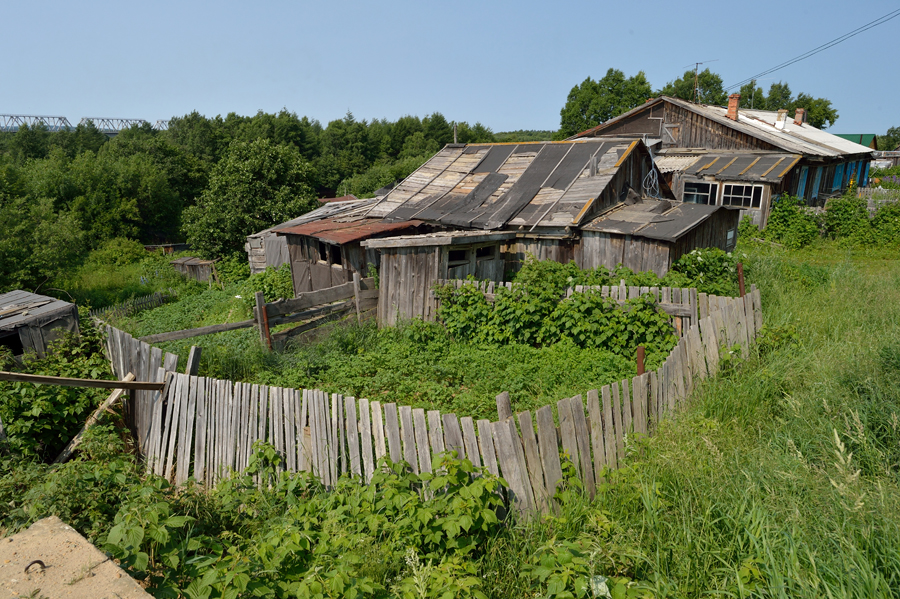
(332, 231)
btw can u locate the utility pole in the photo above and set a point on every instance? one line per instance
(695, 97)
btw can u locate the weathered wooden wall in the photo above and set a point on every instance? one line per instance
(711, 233)
(205, 428)
(637, 253)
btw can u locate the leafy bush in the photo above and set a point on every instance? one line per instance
(118, 251)
(274, 283)
(710, 270)
(791, 224)
(40, 420)
(847, 218)
(233, 268)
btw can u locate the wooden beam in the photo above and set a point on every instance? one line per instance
(17, 377)
(263, 320)
(91, 421)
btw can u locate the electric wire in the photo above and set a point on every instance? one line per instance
(879, 21)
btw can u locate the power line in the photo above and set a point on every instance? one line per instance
(879, 21)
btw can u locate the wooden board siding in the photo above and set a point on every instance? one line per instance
(637, 253)
(710, 233)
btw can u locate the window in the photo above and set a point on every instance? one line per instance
(336, 255)
(700, 193)
(742, 196)
(485, 253)
(323, 252)
(457, 257)
(730, 237)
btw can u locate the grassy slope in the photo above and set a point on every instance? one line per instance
(783, 475)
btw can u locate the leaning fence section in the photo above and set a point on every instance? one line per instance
(205, 428)
(132, 306)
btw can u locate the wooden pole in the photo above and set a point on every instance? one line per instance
(76, 440)
(356, 295)
(262, 320)
(640, 360)
(740, 269)
(17, 377)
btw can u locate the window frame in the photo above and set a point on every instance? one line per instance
(753, 187)
(712, 195)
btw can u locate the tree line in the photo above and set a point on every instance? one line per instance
(207, 181)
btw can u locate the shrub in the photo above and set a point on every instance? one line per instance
(791, 224)
(848, 218)
(119, 251)
(710, 270)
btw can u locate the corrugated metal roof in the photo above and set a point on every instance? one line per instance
(652, 219)
(441, 238)
(346, 198)
(863, 139)
(490, 186)
(346, 209)
(335, 231)
(19, 307)
(801, 139)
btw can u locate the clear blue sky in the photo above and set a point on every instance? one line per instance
(506, 64)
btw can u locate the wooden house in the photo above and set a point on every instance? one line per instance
(266, 248)
(650, 235)
(412, 264)
(30, 322)
(827, 163)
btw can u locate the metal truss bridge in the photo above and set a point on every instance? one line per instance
(108, 125)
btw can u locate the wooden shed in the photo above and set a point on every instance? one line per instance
(194, 268)
(651, 235)
(30, 322)
(412, 264)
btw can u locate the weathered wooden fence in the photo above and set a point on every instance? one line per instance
(131, 306)
(205, 428)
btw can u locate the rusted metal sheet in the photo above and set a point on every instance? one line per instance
(331, 231)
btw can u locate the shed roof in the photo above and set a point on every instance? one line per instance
(724, 165)
(863, 139)
(442, 238)
(337, 231)
(800, 139)
(652, 219)
(345, 208)
(346, 198)
(490, 186)
(18, 308)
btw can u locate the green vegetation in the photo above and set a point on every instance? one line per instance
(209, 181)
(781, 478)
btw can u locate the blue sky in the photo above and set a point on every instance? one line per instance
(509, 65)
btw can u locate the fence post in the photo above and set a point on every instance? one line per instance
(640, 360)
(262, 320)
(356, 295)
(193, 361)
(740, 269)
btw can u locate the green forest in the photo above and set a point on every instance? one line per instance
(66, 193)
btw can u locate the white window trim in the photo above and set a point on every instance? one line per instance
(762, 195)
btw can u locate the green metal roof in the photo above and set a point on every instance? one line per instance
(863, 139)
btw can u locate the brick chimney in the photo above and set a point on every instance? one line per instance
(733, 101)
(800, 116)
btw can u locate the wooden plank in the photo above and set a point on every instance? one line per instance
(304, 434)
(710, 344)
(653, 408)
(334, 440)
(185, 447)
(175, 406)
(422, 448)
(378, 431)
(618, 425)
(365, 430)
(62, 381)
(320, 437)
(757, 309)
(639, 403)
(486, 444)
(470, 441)
(252, 394)
(408, 435)
(354, 465)
(567, 431)
(548, 446)
(392, 432)
(288, 412)
(703, 305)
(311, 299)
(504, 410)
(521, 463)
(343, 457)
(193, 361)
(595, 417)
(453, 440)
(627, 416)
(435, 433)
(582, 437)
(609, 431)
(509, 466)
(198, 332)
(262, 414)
(699, 355)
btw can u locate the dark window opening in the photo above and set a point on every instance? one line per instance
(336, 255)
(12, 341)
(700, 193)
(486, 252)
(457, 257)
(323, 252)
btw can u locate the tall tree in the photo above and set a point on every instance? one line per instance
(705, 87)
(594, 102)
(890, 141)
(256, 185)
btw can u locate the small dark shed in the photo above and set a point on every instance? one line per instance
(411, 264)
(194, 268)
(29, 322)
(651, 235)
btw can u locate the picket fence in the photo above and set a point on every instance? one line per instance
(132, 306)
(205, 428)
